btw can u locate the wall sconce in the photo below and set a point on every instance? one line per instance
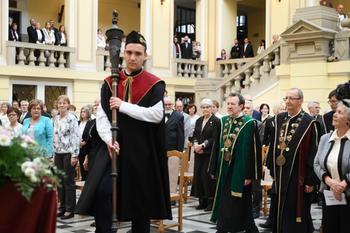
(161, 2)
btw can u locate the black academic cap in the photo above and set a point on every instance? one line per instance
(136, 38)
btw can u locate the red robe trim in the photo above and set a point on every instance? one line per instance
(140, 85)
(303, 152)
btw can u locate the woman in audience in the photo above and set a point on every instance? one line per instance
(3, 115)
(61, 37)
(39, 34)
(66, 150)
(49, 34)
(52, 114)
(176, 49)
(332, 166)
(191, 111)
(17, 36)
(85, 117)
(215, 109)
(265, 111)
(205, 131)
(38, 127)
(13, 115)
(269, 124)
(44, 108)
(261, 47)
(101, 42)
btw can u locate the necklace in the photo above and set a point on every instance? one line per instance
(285, 140)
(230, 138)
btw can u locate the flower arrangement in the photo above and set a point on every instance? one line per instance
(24, 164)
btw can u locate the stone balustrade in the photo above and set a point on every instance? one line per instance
(104, 62)
(190, 68)
(235, 79)
(30, 54)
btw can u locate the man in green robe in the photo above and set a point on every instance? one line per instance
(235, 162)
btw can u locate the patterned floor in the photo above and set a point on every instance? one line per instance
(194, 221)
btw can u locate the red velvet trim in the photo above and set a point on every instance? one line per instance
(142, 83)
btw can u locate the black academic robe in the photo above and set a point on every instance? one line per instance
(83, 151)
(143, 180)
(203, 185)
(287, 178)
(174, 132)
(327, 122)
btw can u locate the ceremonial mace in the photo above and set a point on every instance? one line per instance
(114, 38)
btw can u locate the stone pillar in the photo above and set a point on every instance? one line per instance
(206, 88)
(4, 89)
(157, 23)
(85, 26)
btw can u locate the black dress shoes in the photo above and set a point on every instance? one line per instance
(129, 231)
(266, 225)
(93, 224)
(60, 214)
(71, 215)
(173, 203)
(256, 214)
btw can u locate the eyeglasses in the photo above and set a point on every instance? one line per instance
(36, 109)
(333, 102)
(206, 107)
(12, 115)
(290, 99)
(168, 104)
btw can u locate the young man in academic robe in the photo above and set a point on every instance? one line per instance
(290, 160)
(235, 162)
(143, 183)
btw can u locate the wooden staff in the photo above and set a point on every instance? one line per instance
(114, 35)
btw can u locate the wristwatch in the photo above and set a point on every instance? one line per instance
(202, 146)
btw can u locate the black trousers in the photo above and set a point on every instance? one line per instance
(336, 218)
(103, 208)
(66, 192)
(257, 195)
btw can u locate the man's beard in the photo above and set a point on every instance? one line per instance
(168, 111)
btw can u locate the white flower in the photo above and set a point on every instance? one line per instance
(29, 172)
(33, 178)
(5, 140)
(26, 165)
(24, 145)
(37, 162)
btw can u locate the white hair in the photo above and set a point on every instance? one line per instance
(206, 101)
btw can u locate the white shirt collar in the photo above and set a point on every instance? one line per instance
(334, 135)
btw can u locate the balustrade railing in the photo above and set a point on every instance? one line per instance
(190, 68)
(30, 54)
(254, 69)
(104, 62)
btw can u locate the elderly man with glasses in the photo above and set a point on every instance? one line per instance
(327, 119)
(290, 161)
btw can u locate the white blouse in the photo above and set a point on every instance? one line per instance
(4, 120)
(66, 135)
(63, 38)
(193, 124)
(101, 42)
(261, 49)
(49, 36)
(40, 37)
(81, 130)
(17, 131)
(332, 160)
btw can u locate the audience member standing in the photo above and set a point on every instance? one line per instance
(290, 160)
(179, 107)
(333, 99)
(176, 49)
(332, 167)
(314, 110)
(100, 41)
(11, 32)
(24, 111)
(192, 110)
(49, 34)
(198, 50)
(15, 104)
(186, 49)
(275, 38)
(3, 116)
(261, 47)
(16, 128)
(236, 50)
(341, 16)
(256, 114)
(15, 32)
(39, 36)
(61, 37)
(247, 49)
(206, 130)
(66, 149)
(52, 27)
(85, 117)
(39, 128)
(215, 109)
(31, 31)
(265, 113)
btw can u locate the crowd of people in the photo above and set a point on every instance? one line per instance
(186, 50)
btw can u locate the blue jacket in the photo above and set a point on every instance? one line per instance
(43, 133)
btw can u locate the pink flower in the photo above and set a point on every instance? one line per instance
(6, 132)
(27, 139)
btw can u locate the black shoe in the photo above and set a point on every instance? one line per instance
(173, 203)
(71, 215)
(254, 230)
(60, 214)
(129, 231)
(209, 206)
(266, 225)
(202, 204)
(256, 214)
(93, 224)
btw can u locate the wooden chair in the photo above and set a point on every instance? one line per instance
(266, 183)
(175, 196)
(188, 176)
(77, 172)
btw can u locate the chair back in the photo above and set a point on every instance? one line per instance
(188, 152)
(192, 157)
(174, 158)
